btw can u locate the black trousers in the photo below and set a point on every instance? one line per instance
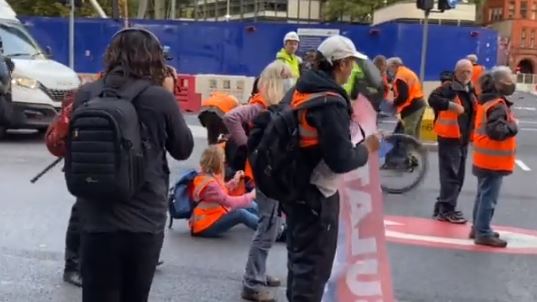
(311, 245)
(72, 241)
(119, 266)
(452, 167)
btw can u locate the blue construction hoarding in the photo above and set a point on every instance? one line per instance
(239, 48)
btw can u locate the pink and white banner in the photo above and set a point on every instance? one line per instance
(361, 271)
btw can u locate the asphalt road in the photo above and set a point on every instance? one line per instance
(33, 221)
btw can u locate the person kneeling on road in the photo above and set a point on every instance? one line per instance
(494, 150)
(216, 211)
(454, 107)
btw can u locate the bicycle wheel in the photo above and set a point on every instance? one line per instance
(403, 163)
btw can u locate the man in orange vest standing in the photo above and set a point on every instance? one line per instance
(494, 149)
(454, 107)
(408, 95)
(478, 70)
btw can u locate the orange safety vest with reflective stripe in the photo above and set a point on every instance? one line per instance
(489, 154)
(415, 91)
(257, 99)
(477, 72)
(309, 137)
(447, 122)
(206, 213)
(220, 103)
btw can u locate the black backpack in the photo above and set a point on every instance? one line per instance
(104, 157)
(274, 149)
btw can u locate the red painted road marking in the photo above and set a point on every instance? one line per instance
(436, 234)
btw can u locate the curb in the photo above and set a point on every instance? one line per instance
(430, 146)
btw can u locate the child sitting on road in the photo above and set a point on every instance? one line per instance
(216, 211)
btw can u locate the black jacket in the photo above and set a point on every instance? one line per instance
(442, 98)
(332, 122)
(146, 212)
(498, 127)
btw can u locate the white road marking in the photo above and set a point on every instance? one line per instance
(516, 240)
(522, 165)
(528, 122)
(525, 108)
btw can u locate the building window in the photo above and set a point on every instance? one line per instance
(499, 14)
(534, 11)
(511, 13)
(532, 38)
(524, 9)
(495, 14)
(523, 38)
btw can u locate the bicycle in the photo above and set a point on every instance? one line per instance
(401, 156)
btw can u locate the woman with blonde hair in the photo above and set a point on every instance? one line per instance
(275, 81)
(216, 210)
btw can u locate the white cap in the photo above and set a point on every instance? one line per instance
(338, 47)
(291, 36)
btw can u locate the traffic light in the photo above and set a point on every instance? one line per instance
(425, 5)
(447, 4)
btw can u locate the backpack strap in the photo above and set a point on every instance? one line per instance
(320, 99)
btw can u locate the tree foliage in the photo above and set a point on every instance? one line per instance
(353, 10)
(45, 8)
(54, 8)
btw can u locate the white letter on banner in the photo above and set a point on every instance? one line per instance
(364, 288)
(361, 205)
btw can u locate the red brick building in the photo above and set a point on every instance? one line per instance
(516, 22)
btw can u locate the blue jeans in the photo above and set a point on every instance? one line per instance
(488, 190)
(247, 217)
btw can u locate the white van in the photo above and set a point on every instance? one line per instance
(39, 84)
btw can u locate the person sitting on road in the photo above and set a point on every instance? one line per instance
(276, 79)
(454, 107)
(408, 94)
(494, 150)
(216, 211)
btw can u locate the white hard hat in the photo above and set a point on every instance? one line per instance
(291, 36)
(338, 47)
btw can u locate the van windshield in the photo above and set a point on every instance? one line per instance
(17, 43)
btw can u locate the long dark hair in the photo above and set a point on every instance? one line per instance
(139, 53)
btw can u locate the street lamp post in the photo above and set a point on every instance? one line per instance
(72, 34)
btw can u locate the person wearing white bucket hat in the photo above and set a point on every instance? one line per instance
(326, 152)
(288, 55)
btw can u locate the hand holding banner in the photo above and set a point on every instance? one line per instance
(361, 269)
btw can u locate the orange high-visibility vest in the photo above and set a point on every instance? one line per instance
(309, 137)
(489, 154)
(447, 122)
(257, 99)
(220, 103)
(477, 72)
(415, 91)
(206, 213)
